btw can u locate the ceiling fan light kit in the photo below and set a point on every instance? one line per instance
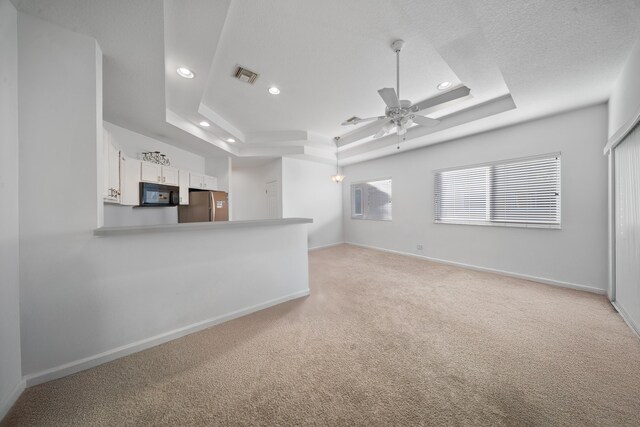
(401, 114)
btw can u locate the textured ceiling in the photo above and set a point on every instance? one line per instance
(330, 58)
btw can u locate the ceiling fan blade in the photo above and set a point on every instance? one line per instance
(364, 131)
(385, 130)
(389, 97)
(358, 120)
(380, 134)
(425, 121)
(452, 95)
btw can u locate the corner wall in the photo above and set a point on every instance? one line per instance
(11, 384)
(309, 192)
(247, 195)
(575, 256)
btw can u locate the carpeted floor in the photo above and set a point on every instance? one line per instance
(382, 340)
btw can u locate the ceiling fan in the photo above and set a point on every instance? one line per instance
(400, 114)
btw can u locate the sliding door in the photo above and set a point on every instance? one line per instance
(627, 227)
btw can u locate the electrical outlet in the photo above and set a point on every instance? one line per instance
(419, 247)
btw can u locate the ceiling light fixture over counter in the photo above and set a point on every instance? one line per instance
(337, 178)
(231, 140)
(204, 124)
(185, 72)
(444, 85)
(274, 90)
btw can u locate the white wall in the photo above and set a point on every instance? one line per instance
(220, 167)
(118, 294)
(248, 197)
(10, 371)
(624, 102)
(133, 144)
(309, 192)
(58, 108)
(88, 299)
(575, 255)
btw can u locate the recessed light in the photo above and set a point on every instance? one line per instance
(231, 140)
(444, 85)
(185, 72)
(274, 90)
(204, 124)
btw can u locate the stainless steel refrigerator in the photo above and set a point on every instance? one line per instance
(205, 206)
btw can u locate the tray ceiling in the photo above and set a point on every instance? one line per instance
(522, 59)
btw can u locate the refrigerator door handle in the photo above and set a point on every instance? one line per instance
(212, 211)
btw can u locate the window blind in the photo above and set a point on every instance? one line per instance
(523, 192)
(371, 200)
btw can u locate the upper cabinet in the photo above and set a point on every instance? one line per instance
(210, 182)
(151, 172)
(183, 179)
(130, 179)
(203, 182)
(170, 175)
(111, 180)
(122, 176)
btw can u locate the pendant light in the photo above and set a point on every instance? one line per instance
(337, 178)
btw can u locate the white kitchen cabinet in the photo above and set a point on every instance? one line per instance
(210, 183)
(203, 182)
(111, 180)
(183, 183)
(170, 175)
(130, 181)
(196, 180)
(151, 172)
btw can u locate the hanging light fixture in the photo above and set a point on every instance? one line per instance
(337, 177)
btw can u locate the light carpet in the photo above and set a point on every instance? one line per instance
(383, 339)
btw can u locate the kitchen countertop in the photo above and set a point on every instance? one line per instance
(197, 226)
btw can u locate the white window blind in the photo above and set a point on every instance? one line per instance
(520, 192)
(371, 200)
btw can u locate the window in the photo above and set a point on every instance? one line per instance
(521, 192)
(371, 200)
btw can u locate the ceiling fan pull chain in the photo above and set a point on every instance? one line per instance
(398, 73)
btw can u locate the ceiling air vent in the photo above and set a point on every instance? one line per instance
(245, 75)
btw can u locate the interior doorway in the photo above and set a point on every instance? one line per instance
(273, 195)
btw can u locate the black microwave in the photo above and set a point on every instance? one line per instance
(159, 195)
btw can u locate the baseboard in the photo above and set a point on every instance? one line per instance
(315, 248)
(628, 320)
(107, 356)
(5, 406)
(492, 270)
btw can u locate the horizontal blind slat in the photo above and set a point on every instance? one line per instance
(518, 191)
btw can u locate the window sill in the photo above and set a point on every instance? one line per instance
(502, 224)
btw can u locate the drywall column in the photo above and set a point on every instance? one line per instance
(11, 384)
(60, 108)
